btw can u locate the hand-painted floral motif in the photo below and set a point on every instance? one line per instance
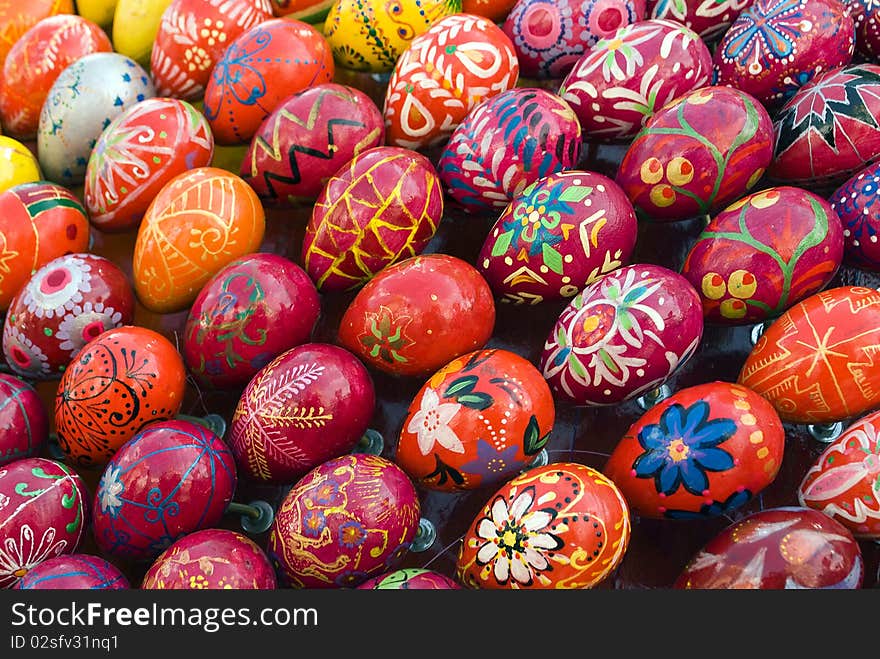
(387, 337)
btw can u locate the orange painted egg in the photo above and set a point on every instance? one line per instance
(703, 452)
(199, 222)
(496, 10)
(478, 421)
(560, 526)
(120, 381)
(18, 16)
(815, 363)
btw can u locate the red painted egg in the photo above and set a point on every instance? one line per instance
(495, 10)
(418, 315)
(618, 83)
(310, 11)
(24, 421)
(382, 207)
(855, 202)
(34, 62)
(624, 334)
(696, 155)
(478, 421)
(170, 479)
(307, 139)
(865, 15)
(708, 19)
(561, 526)
(347, 520)
(410, 578)
(74, 572)
(44, 512)
(779, 548)
(250, 312)
(562, 233)
(191, 38)
(214, 559)
(310, 404)
(64, 305)
(42, 221)
(259, 69)
(701, 453)
(458, 63)
(763, 254)
(814, 363)
(119, 382)
(17, 17)
(844, 481)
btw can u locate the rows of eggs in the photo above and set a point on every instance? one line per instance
(700, 130)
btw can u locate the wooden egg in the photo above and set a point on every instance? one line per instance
(18, 164)
(560, 526)
(200, 221)
(709, 20)
(763, 254)
(17, 17)
(562, 233)
(310, 11)
(24, 422)
(382, 207)
(135, 25)
(855, 202)
(74, 572)
(410, 578)
(703, 452)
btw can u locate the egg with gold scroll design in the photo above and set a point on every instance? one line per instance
(560, 526)
(410, 578)
(24, 420)
(17, 17)
(814, 363)
(74, 572)
(703, 452)
(347, 520)
(199, 222)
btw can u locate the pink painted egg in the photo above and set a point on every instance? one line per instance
(24, 420)
(410, 578)
(710, 20)
(250, 312)
(507, 142)
(624, 334)
(65, 304)
(562, 233)
(307, 139)
(844, 481)
(855, 202)
(866, 17)
(784, 548)
(170, 479)
(310, 404)
(346, 521)
(763, 254)
(213, 559)
(44, 512)
(74, 572)
(702, 452)
(382, 207)
(618, 83)
(696, 155)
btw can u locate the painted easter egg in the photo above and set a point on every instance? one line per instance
(495, 10)
(98, 11)
(618, 84)
(170, 479)
(549, 36)
(36, 60)
(444, 73)
(17, 17)
(44, 512)
(310, 404)
(382, 207)
(347, 520)
(64, 305)
(308, 138)
(119, 382)
(702, 452)
(560, 526)
(212, 559)
(867, 22)
(624, 334)
(18, 164)
(782, 548)
(74, 572)
(250, 312)
(855, 202)
(775, 46)
(830, 128)
(259, 69)
(478, 421)
(410, 578)
(135, 25)
(42, 221)
(507, 142)
(710, 20)
(763, 254)
(418, 315)
(562, 233)
(310, 11)
(137, 154)
(696, 155)
(24, 421)
(191, 38)
(814, 362)
(200, 221)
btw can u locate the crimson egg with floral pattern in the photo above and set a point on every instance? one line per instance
(74, 572)
(24, 421)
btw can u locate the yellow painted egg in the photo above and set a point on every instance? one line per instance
(17, 164)
(98, 11)
(135, 25)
